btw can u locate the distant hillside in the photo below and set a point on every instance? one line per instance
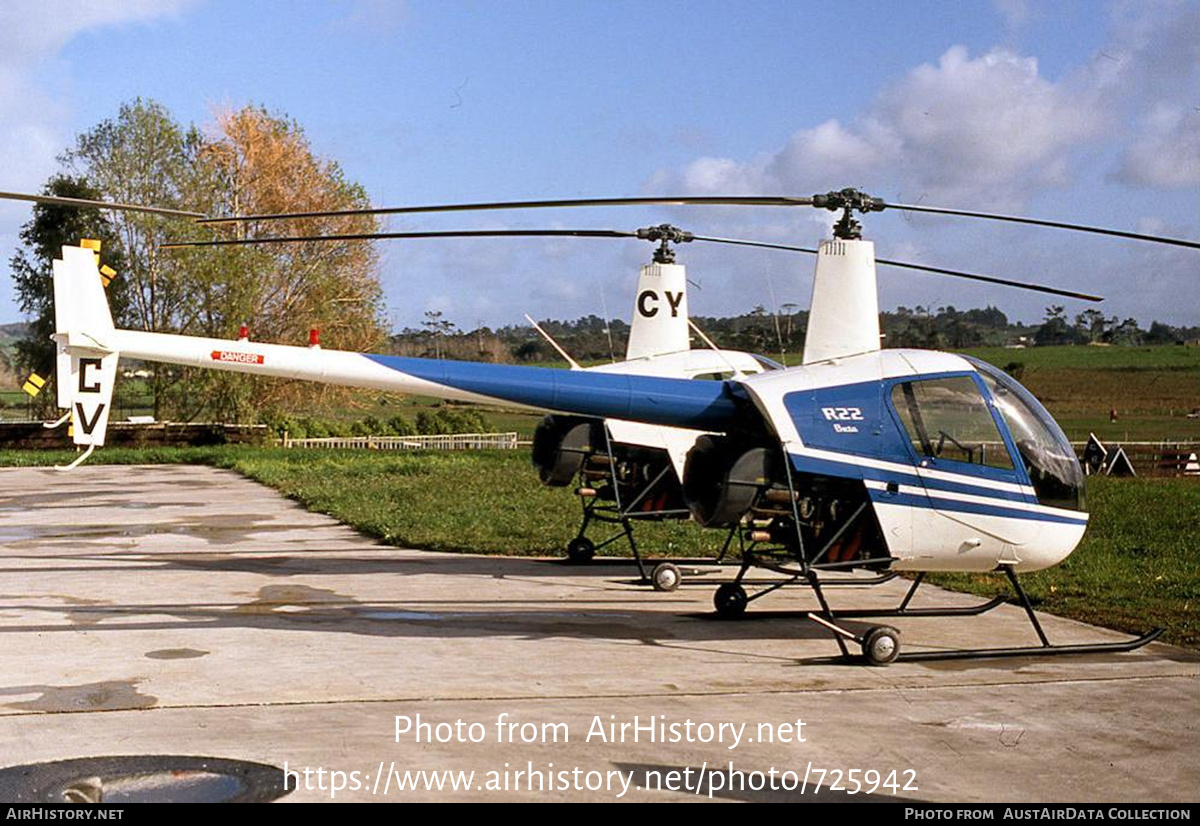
(9, 333)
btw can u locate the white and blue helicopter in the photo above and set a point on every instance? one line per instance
(860, 458)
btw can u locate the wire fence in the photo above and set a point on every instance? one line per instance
(448, 441)
(1165, 458)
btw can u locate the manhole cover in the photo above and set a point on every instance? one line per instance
(147, 778)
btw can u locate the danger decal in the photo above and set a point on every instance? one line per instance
(236, 358)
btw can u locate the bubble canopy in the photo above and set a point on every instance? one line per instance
(1045, 450)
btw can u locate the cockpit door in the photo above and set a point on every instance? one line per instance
(963, 458)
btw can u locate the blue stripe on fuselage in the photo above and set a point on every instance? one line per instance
(703, 405)
(853, 470)
(958, 506)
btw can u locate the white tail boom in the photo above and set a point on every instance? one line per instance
(89, 347)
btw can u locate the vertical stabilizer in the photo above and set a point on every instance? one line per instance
(843, 319)
(660, 312)
(86, 360)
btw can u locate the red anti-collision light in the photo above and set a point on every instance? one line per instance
(314, 337)
(243, 333)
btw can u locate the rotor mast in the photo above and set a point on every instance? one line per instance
(660, 309)
(843, 317)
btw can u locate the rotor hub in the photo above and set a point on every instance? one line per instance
(665, 235)
(848, 200)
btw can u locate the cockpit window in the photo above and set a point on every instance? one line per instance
(1048, 456)
(947, 418)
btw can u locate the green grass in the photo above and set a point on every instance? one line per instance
(1159, 357)
(1152, 389)
(1136, 568)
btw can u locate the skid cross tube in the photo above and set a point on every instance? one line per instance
(902, 610)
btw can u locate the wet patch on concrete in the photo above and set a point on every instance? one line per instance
(82, 613)
(78, 610)
(127, 504)
(113, 695)
(294, 599)
(176, 654)
(217, 530)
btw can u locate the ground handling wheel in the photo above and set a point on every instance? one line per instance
(665, 577)
(580, 550)
(881, 645)
(730, 601)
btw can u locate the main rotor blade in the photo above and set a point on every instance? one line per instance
(1179, 242)
(992, 280)
(737, 242)
(682, 200)
(698, 200)
(609, 233)
(84, 202)
(936, 270)
(372, 236)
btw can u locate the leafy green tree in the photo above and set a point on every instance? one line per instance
(1055, 330)
(258, 162)
(143, 156)
(249, 162)
(1160, 333)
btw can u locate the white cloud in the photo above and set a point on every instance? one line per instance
(979, 125)
(994, 132)
(989, 126)
(32, 121)
(1167, 152)
(992, 129)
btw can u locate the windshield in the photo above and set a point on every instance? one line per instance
(1049, 458)
(947, 418)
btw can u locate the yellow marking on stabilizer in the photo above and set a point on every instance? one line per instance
(107, 274)
(92, 244)
(33, 385)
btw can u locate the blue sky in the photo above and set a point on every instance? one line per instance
(1081, 111)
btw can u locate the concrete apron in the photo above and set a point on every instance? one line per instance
(173, 610)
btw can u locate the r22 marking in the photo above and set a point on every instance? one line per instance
(842, 414)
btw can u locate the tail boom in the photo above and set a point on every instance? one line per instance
(704, 405)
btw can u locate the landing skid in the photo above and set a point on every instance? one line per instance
(880, 644)
(731, 598)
